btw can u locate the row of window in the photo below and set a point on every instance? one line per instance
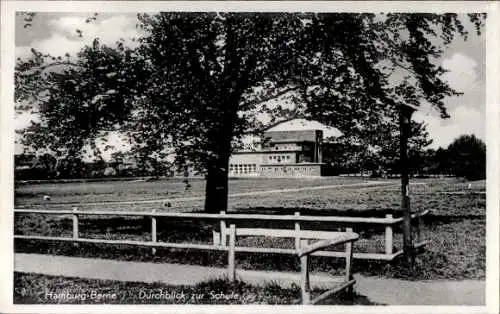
(279, 158)
(285, 147)
(288, 168)
(243, 168)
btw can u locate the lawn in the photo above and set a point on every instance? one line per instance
(456, 226)
(41, 289)
(171, 188)
(425, 195)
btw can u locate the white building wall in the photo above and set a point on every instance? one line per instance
(245, 164)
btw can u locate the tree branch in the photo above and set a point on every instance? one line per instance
(45, 67)
(269, 97)
(294, 115)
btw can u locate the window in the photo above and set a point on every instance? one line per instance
(288, 157)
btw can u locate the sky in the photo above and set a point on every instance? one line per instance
(55, 33)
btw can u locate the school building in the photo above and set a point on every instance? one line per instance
(283, 153)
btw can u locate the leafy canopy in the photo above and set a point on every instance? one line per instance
(195, 81)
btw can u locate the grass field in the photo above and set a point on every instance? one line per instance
(425, 195)
(456, 226)
(40, 289)
(111, 191)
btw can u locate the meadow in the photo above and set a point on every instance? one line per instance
(31, 288)
(456, 225)
(139, 190)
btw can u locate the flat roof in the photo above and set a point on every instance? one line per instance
(299, 124)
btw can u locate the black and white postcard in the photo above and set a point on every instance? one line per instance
(275, 156)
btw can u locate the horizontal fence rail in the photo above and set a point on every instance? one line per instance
(220, 237)
(224, 216)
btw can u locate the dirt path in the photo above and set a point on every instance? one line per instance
(378, 290)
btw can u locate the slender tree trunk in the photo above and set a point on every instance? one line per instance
(405, 118)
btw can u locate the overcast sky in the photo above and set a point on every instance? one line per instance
(55, 33)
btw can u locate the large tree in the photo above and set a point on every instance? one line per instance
(195, 81)
(206, 72)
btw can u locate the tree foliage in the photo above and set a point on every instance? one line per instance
(195, 81)
(467, 155)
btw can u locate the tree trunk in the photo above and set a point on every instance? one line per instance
(235, 82)
(216, 192)
(404, 121)
(217, 186)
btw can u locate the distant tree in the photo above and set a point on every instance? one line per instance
(467, 156)
(418, 141)
(23, 160)
(71, 167)
(116, 162)
(354, 157)
(48, 163)
(428, 164)
(378, 149)
(443, 161)
(97, 167)
(109, 172)
(346, 155)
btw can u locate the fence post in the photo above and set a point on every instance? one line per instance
(153, 231)
(304, 275)
(75, 225)
(231, 253)
(297, 232)
(216, 237)
(348, 261)
(223, 227)
(388, 235)
(420, 224)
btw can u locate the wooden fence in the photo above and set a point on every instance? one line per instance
(219, 238)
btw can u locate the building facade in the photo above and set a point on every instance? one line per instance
(282, 153)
